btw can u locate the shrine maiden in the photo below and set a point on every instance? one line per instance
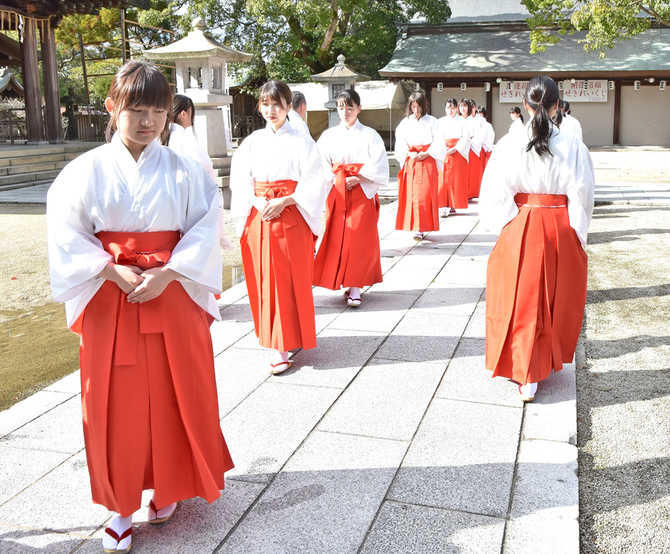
(279, 191)
(453, 189)
(488, 137)
(420, 151)
(133, 243)
(540, 193)
(355, 158)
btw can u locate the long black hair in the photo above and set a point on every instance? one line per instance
(541, 95)
(517, 111)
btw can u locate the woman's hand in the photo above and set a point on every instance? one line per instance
(155, 281)
(420, 156)
(275, 207)
(351, 182)
(127, 277)
(451, 151)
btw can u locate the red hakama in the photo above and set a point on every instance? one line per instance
(278, 260)
(349, 253)
(417, 194)
(453, 190)
(535, 291)
(149, 401)
(475, 170)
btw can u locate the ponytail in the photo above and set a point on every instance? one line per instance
(541, 95)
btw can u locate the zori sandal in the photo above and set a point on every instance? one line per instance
(120, 540)
(157, 517)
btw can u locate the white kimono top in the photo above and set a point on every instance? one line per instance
(511, 170)
(265, 157)
(106, 190)
(488, 136)
(297, 122)
(360, 144)
(413, 132)
(517, 126)
(475, 133)
(456, 128)
(572, 126)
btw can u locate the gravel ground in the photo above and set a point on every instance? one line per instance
(623, 392)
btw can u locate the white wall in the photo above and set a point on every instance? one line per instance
(596, 119)
(645, 117)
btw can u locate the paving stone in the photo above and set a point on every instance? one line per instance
(427, 258)
(60, 501)
(378, 312)
(449, 299)
(545, 509)
(236, 323)
(232, 295)
(335, 361)
(462, 458)
(196, 527)
(553, 414)
(70, 383)
(21, 540)
(424, 337)
(31, 408)
(473, 251)
(406, 281)
(325, 298)
(239, 372)
(386, 400)
(20, 468)
(407, 529)
(265, 430)
(325, 499)
(467, 379)
(58, 430)
(476, 328)
(463, 272)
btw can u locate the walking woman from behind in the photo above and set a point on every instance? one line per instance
(420, 151)
(541, 194)
(132, 242)
(279, 191)
(355, 158)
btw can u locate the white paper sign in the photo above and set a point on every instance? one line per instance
(591, 90)
(512, 92)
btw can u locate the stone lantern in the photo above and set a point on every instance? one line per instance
(338, 78)
(201, 75)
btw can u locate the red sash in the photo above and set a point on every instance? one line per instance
(418, 194)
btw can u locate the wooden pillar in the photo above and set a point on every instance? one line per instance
(51, 90)
(489, 104)
(617, 112)
(31, 82)
(429, 89)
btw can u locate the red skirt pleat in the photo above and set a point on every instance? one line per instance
(418, 196)
(535, 292)
(475, 178)
(278, 261)
(149, 398)
(453, 184)
(349, 254)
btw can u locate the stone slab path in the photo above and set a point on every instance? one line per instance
(390, 436)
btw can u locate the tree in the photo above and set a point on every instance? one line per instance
(606, 21)
(292, 39)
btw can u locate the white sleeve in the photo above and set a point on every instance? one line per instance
(312, 188)
(375, 172)
(76, 256)
(401, 144)
(242, 185)
(496, 200)
(581, 193)
(197, 255)
(438, 146)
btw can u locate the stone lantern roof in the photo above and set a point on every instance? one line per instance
(340, 71)
(197, 44)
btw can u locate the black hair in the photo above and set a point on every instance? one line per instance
(451, 101)
(566, 107)
(139, 83)
(464, 102)
(558, 118)
(182, 103)
(350, 98)
(482, 110)
(277, 91)
(421, 100)
(517, 111)
(541, 95)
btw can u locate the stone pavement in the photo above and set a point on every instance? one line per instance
(389, 437)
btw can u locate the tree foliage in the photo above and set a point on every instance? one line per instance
(606, 22)
(293, 39)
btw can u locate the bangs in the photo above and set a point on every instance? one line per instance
(141, 84)
(275, 91)
(349, 98)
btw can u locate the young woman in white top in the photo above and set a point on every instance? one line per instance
(453, 185)
(279, 191)
(540, 193)
(420, 151)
